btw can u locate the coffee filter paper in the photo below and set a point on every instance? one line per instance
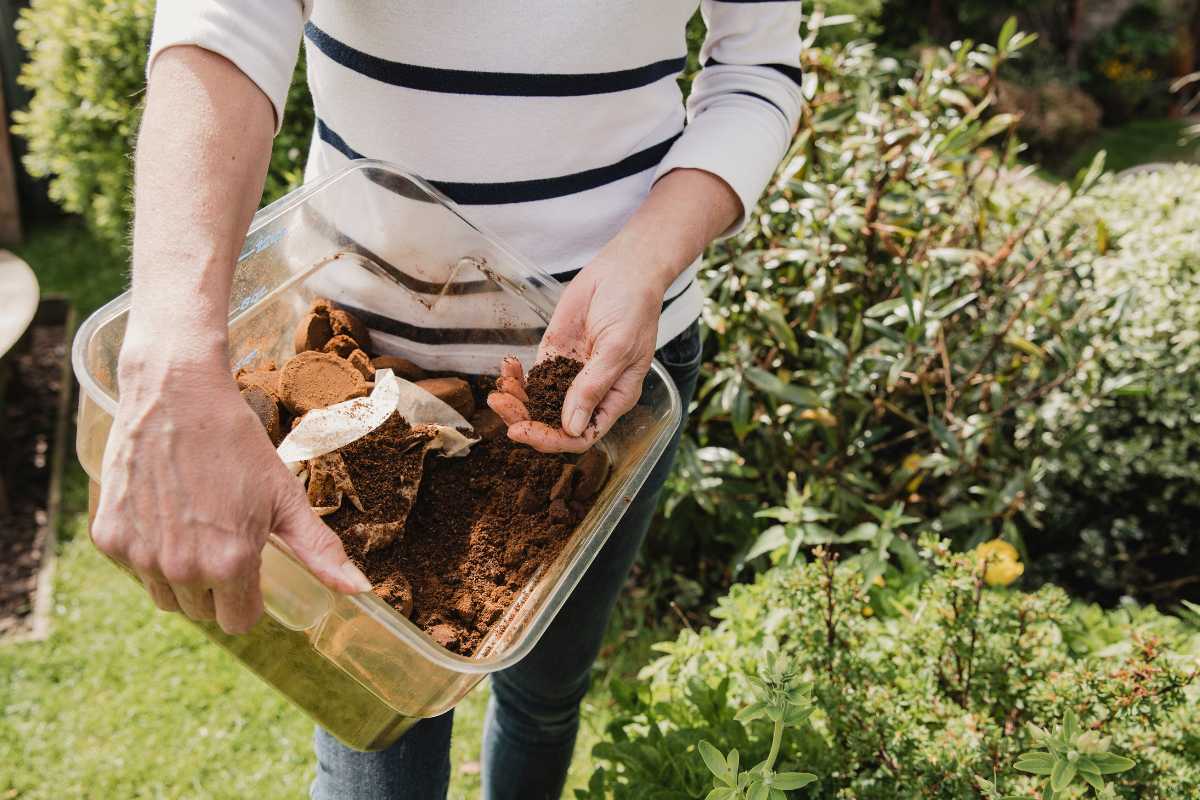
(324, 430)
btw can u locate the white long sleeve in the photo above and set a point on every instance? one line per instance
(261, 37)
(746, 101)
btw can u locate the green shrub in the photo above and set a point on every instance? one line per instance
(889, 320)
(87, 74)
(1120, 492)
(922, 683)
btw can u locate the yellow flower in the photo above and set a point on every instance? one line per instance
(868, 611)
(822, 416)
(879, 581)
(912, 463)
(1002, 562)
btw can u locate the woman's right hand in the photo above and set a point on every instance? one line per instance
(191, 488)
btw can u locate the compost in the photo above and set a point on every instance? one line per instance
(450, 542)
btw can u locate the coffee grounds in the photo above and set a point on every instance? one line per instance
(547, 385)
(315, 380)
(468, 548)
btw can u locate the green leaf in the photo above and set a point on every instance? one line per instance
(885, 308)
(1062, 775)
(863, 532)
(1109, 763)
(714, 761)
(772, 538)
(800, 396)
(1093, 779)
(996, 124)
(750, 712)
(1006, 34)
(1070, 726)
(721, 793)
(954, 305)
(777, 323)
(1087, 177)
(759, 791)
(793, 780)
(836, 345)
(1035, 762)
(944, 435)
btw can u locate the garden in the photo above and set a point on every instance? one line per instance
(932, 529)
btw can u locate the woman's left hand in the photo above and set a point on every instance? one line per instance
(607, 318)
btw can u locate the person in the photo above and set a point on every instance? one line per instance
(557, 125)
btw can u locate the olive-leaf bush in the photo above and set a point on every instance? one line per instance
(86, 72)
(926, 684)
(886, 323)
(1119, 496)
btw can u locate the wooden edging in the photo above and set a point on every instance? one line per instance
(52, 310)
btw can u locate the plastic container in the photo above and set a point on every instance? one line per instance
(382, 241)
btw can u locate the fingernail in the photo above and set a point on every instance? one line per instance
(354, 576)
(578, 422)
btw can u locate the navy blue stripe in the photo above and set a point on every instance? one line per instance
(795, 74)
(512, 337)
(766, 100)
(528, 191)
(514, 84)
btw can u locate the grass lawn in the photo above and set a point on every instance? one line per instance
(122, 701)
(1140, 142)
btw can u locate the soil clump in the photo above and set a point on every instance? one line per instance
(547, 385)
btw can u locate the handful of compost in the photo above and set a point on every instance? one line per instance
(449, 541)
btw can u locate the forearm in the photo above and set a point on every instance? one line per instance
(684, 211)
(202, 156)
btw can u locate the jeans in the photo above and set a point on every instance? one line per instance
(533, 714)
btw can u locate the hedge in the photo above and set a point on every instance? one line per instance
(87, 74)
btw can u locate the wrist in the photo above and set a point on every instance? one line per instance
(150, 352)
(647, 258)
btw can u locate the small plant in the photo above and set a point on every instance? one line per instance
(920, 681)
(1068, 757)
(787, 704)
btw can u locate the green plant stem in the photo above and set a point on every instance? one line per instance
(776, 740)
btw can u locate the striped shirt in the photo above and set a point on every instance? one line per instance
(547, 120)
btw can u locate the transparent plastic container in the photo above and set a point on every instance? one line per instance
(382, 242)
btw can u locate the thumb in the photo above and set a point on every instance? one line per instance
(590, 387)
(318, 547)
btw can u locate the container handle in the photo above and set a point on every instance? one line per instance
(291, 594)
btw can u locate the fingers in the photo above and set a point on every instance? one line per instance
(510, 367)
(622, 397)
(512, 386)
(318, 547)
(507, 407)
(162, 595)
(196, 601)
(590, 387)
(542, 437)
(239, 603)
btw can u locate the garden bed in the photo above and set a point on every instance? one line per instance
(35, 392)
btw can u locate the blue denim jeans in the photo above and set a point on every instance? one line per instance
(533, 715)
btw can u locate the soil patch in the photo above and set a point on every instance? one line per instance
(31, 393)
(547, 385)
